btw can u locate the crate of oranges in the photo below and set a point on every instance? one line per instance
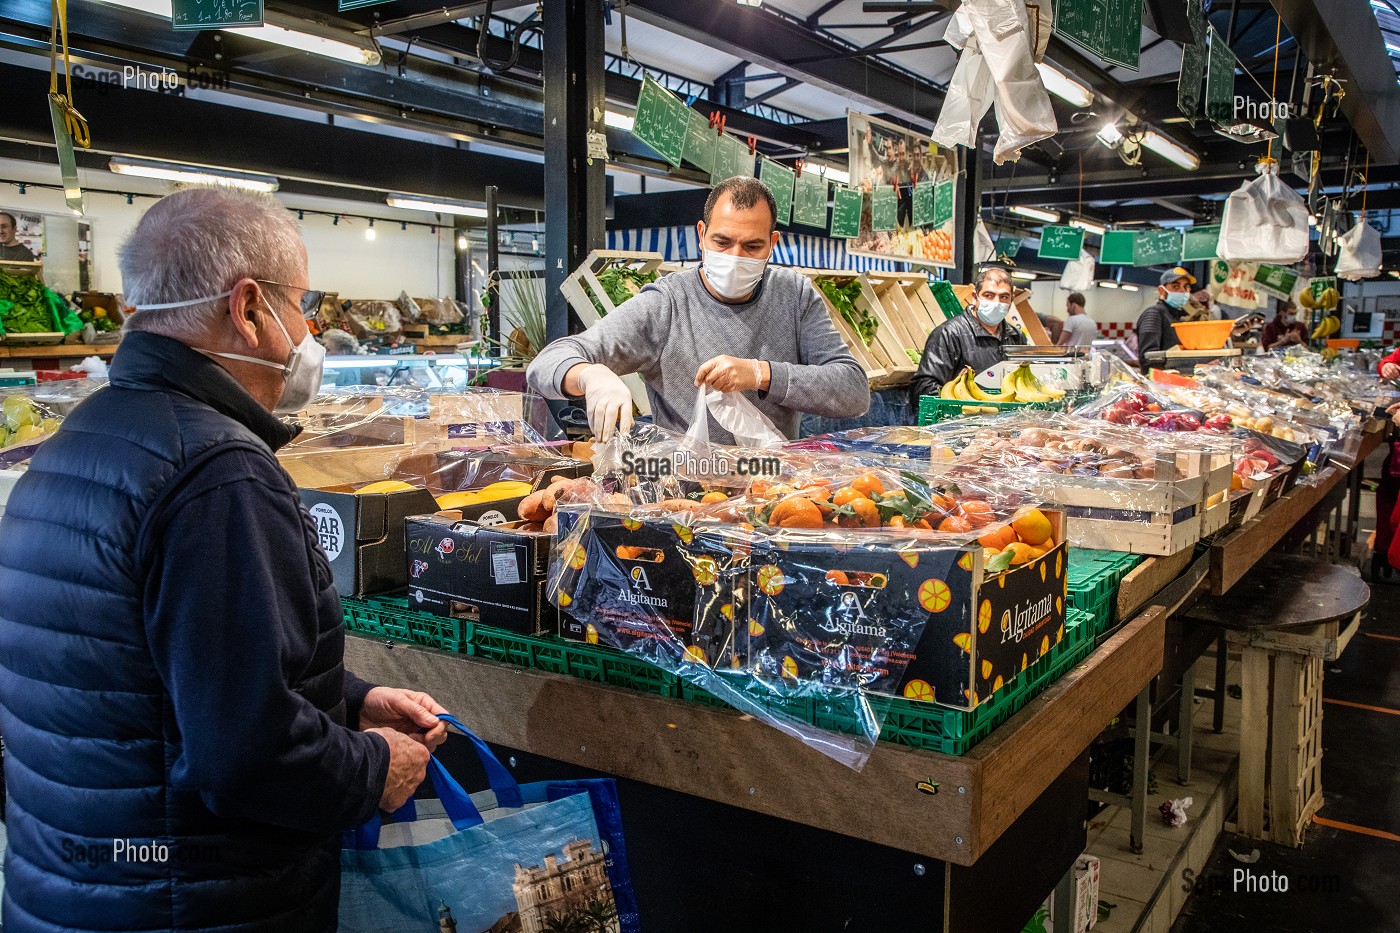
(827, 570)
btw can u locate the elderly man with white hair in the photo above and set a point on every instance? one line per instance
(183, 743)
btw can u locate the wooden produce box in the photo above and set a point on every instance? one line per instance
(886, 350)
(421, 336)
(909, 304)
(582, 287)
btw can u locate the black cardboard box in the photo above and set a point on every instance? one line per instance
(494, 575)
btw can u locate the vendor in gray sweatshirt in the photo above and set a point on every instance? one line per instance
(735, 324)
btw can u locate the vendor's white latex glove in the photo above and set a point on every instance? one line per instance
(730, 374)
(607, 400)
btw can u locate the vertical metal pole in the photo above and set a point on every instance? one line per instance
(575, 186)
(462, 263)
(1186, 712)
(970, 209)
(1142, 732)
(493, 266)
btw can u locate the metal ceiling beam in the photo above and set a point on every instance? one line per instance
(774, 41)
(1342, 36)
(439, 16)
(253, 141)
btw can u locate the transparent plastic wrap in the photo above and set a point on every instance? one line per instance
(795, 585)
(391, 439)
(26, 420)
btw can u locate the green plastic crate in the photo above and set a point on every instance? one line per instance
(905, 722)
(947, 299)
(1093, 578)
(933, 408)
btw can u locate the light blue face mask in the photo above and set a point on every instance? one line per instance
(992, 313)
(1177, 300)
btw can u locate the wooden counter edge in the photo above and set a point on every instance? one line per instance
(1023, 757)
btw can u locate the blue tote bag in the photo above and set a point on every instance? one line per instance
(531, 858)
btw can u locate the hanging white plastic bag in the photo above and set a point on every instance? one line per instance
(1001, 44)
(737, 415)
(1265, 221)
(1079, 273)
(985, 250)
(1360, 255)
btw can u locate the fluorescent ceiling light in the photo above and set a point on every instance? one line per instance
(1171, 151)
(1108, 283)
(619, 121)
(1110, 136)
(292, 33)
(1128, 287)
(412, 203)
(1063, 86)
(1023, 276)
(1036, 213)
(1088, 226)
(191, 174)
(286, 31)
(831, 173)
(750, 2)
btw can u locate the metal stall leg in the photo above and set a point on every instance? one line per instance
(1222, 659)
(1185, 731)
(1142, 737)
(1062, 911)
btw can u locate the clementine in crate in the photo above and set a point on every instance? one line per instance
(955, 524)
(977, 512)
(919, 690)
(934, 595)
(710, 498)
(866, 515)
(1021, 553)
(869, 485)
(846, 495)
(1032, 526)
(796, 512)
(998, 537)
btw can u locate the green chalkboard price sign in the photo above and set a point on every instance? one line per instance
(1118, 248)
(1193, 63)
(661, 121)
(1110, 29)
(1220, 80)
(923, 204)
(943, 203)
(884, 208)
(1157, 248)
(1061, 242)
(215, 14)
(701, 140)
(779, 180)
(1201, 244)
(846, 206)
(1008, 246)
(809, 200)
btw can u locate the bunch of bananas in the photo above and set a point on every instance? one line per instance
(1328, 300)
(1018, 385)
(1326, 327)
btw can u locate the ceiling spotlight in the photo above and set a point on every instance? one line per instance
(369, 231)
(1036, 213)
(461, 242)
(1110, 136)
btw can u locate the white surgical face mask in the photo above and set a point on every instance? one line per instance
(992, 313)
(302, 370)
(733, 277)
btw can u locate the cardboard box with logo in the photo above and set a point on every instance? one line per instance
(492, 575)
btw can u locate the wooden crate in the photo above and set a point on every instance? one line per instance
(420, 335)
(885, 349)
(909, 302)
(582, 286)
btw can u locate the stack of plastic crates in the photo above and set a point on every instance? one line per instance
(1093, 584)
(906, 722)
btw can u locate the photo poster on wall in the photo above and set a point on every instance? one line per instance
(886, 154)
(29, 230)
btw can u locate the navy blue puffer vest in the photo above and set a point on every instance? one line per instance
(94, 750)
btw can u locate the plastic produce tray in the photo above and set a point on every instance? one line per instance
(906, 722)
(1093, 578)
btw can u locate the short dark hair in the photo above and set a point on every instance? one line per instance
(1075, 298)
(13, 222)
(1000, 273)
(745, 192)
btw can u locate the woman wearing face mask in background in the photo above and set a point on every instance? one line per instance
(1285, 330)
(1154, 328)
(735, 324)
(976, 338)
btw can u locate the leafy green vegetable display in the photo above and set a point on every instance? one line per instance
(621, 283)
(27, 307)
(843, 298)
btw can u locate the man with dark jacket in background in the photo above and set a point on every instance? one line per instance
(183, 744)
(1154, 327)
(978, 337)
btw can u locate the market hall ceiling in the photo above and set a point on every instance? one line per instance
(782, 72)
